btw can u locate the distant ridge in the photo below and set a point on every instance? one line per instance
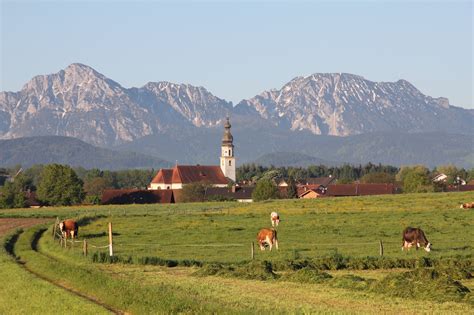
(65, 150)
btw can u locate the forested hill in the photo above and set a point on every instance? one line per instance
(65, 150)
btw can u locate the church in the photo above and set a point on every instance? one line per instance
(216, 176)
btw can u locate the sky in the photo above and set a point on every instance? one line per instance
(236, 50)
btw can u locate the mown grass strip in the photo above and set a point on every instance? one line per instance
(23, 293)
(121, 294)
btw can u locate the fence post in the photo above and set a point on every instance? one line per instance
(55, 228)
(84, 247)
(111, 250)
(381, 248)
(252, 251)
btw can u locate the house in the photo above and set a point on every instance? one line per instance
(213, 175)
(317, 181)
(440, 178)
(313, 193)
(345, 190)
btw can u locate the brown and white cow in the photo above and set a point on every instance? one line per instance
(267, 237)
(468, 205)
(415, 236)
(275, 218)
(69, 228)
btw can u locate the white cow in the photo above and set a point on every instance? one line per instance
(275, 218)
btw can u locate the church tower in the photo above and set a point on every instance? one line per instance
(227, 153)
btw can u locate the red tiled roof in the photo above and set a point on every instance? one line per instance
(129, 196)
(164, 176)
(324, 181)
(187, 174)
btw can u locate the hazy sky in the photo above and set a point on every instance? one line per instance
(236, 50)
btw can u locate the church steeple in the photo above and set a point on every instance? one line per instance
(227, 139)
(227, 152)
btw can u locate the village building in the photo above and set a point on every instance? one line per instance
(212, 175)
(346, 190)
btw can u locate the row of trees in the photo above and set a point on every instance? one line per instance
(345, 173)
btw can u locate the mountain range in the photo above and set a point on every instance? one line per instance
(333, 117)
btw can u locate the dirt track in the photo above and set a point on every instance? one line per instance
(8, 224)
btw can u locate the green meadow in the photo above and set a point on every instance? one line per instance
(197, 257)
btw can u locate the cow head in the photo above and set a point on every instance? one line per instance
(428, 247)
(61, 226)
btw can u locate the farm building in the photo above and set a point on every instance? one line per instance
(139, 196)
(216, 176)
(344, 190)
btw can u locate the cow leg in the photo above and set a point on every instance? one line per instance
(262, 247)
(276, 243)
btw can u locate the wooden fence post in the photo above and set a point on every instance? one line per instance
(84, 247)
(111, 250)
(55, 228)
(381, 248)
(252, 251)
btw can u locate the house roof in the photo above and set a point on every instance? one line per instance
(360, 189)
(302, 189)
(187, 174)
(316, 191)
(164, 176)
(128, 196)
(239, 193)
(324, 181)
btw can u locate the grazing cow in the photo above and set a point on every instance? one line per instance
(69, 228)
(267, 237)
(468, 205)
(275, 218)
(415, 236)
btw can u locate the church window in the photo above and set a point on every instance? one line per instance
(230, 152)
(230, 163)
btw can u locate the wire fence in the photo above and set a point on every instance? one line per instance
(87, 244)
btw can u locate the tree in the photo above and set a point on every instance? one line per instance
(194, 192)
(415, 179)
(292, 190)
(377, 178)
(264, 190)
(12, 194)
(59, 185)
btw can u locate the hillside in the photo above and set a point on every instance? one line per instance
(65, 150)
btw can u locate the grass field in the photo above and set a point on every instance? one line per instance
(215, 239)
